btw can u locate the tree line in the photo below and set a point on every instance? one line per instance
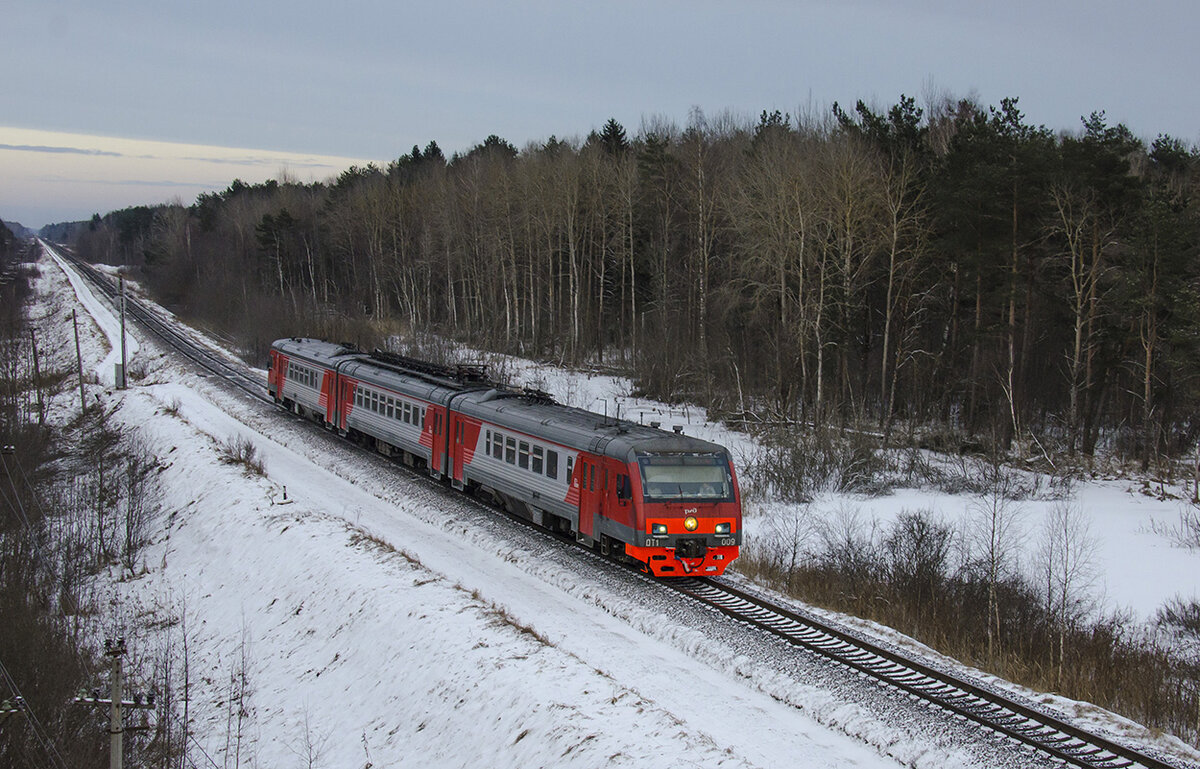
(953, 269)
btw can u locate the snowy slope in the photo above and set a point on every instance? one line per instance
(379, 620)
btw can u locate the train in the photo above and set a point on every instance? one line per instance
(665, 500)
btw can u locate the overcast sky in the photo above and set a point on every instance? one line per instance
(314, 86)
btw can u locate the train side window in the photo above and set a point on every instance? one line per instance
(591, 471)
(498, 446)
(523, 456)
(487, 443)
(391, 409)
(538, 461)
(510, 450)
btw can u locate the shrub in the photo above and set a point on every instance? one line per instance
(240, 450)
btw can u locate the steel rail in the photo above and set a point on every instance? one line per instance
(993, 710)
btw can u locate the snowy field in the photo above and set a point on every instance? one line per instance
(378, 620)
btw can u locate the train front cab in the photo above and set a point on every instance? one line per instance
(688, 513)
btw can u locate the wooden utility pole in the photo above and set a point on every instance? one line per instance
(79, 364)
(37, 379)
(116, 703)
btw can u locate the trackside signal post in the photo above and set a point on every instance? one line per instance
(116, 730)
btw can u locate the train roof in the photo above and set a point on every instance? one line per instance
(315, 349)
(524, 410)
(577, 428)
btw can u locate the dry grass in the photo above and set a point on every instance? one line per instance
(240, 450)
(1108, 661)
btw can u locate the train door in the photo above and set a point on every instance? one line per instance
(456, 449)
(591, 493)
(344, 403)
(438, 450)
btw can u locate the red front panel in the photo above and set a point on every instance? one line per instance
(662, 561)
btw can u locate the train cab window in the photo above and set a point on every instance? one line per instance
(523, 456)
(510, 450)
(538, 460)
(624, 489)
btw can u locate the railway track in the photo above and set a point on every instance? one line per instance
(208, 360)
(992, 710)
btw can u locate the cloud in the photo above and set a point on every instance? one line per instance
(59, 150)
(134, 183)
(271, 162)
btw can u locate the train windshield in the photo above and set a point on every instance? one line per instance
(672, 477)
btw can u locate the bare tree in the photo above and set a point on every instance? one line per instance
(993, 532)
(790, 531)
(1066, 563)
(139, 500)
(1087, 243)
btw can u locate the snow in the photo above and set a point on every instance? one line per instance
(377, 619)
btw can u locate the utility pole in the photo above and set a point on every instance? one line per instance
(79, 364)
(37, 378)
(124, 362)
(116, 702)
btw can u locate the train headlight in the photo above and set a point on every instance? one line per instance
(658, 529)
(690, 523)
(722, 528)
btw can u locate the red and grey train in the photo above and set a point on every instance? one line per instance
(667, 500)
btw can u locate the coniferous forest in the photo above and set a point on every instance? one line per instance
(952, 274)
